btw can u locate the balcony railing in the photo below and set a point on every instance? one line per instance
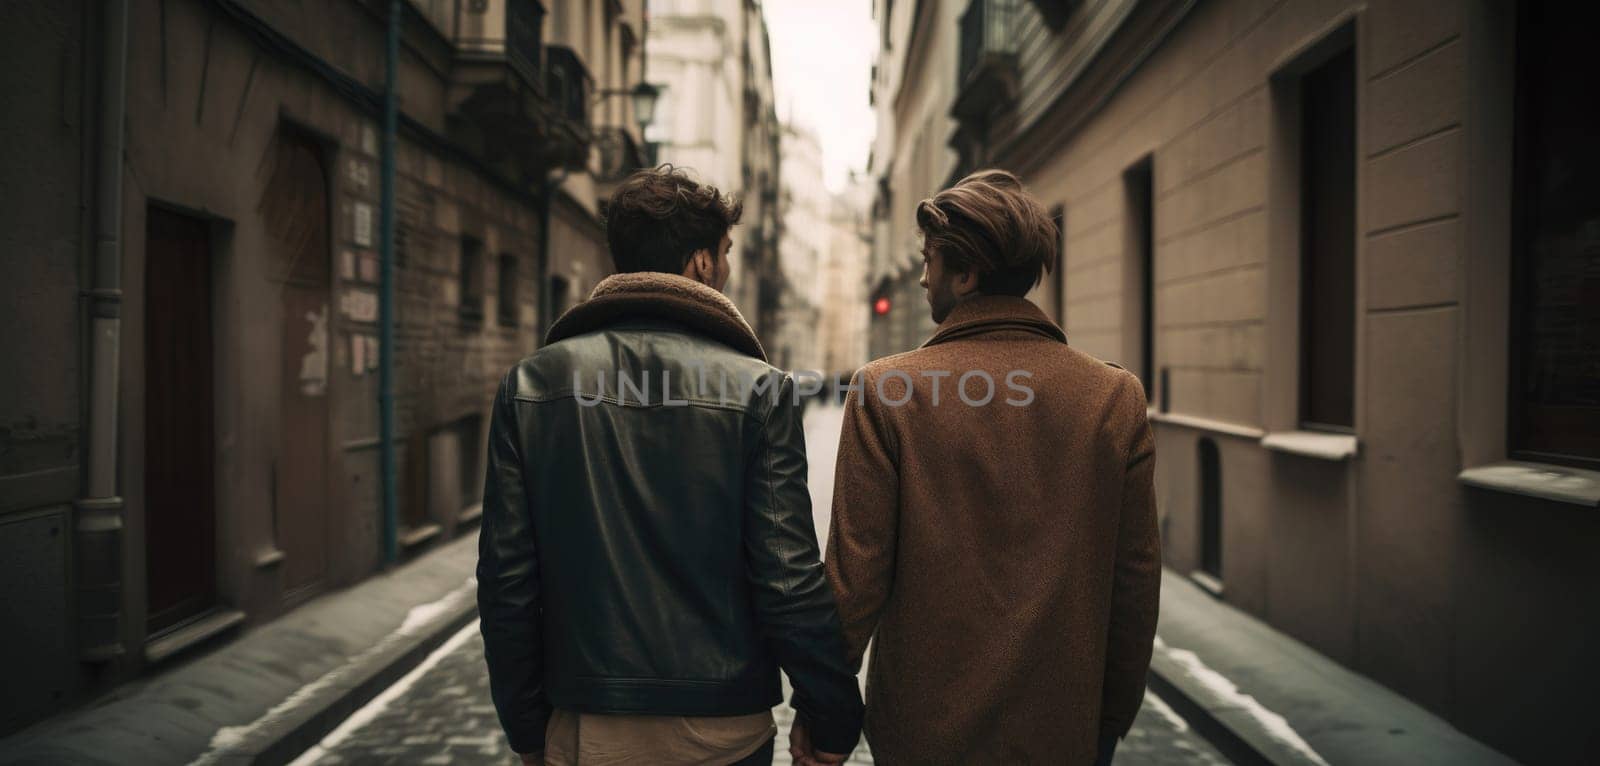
(987, 66)
(568, 84)
(497, 82)
(569, 90)
(507, 30)
(1055, 12)
(524, 18)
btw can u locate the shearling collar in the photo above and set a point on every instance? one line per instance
(992, 313)
(658, 295)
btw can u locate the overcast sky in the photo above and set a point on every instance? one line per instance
(821, 68)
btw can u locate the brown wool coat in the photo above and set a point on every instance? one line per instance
(1004, 559)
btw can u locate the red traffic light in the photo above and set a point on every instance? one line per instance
(881, 305)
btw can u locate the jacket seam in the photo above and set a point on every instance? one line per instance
(772, 507)
(568, 395)
(660, 681)
(884, 433)
(1129, 459)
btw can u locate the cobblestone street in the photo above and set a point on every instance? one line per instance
(440, 713)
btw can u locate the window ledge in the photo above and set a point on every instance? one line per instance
(191, 635)
(1207, 583)
(1313, 444)
(416, 536)
(1542, 480)
(1205, 424)
(269, 557)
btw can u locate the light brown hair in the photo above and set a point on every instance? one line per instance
(988, 225)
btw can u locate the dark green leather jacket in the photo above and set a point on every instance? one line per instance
(647, 544)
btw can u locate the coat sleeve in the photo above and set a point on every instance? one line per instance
(508, 585)
(794, 607)
(866, 508)
(1136, 581)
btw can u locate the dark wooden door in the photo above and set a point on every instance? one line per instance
(302, 474)
(297, 215)
(180, 500)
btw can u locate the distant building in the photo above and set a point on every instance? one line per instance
(1350, 248)
(843, 308)
(805, 205)
(717, 117)
(189, 435)
(910, 161)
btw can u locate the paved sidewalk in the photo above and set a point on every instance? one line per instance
(278, 688)
(1264, 697)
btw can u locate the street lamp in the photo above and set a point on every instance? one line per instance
(644, 97)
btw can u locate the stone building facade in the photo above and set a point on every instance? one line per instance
(844, 311)
(199, 180)
(805, 206)
(718, 118)
(1351, 250)
(911, 93)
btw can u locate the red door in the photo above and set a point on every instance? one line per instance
(296, 212)
(180, 505)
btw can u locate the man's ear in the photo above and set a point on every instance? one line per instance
(701, 267)
(966, 283)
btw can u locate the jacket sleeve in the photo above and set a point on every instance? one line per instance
(795, 608)
(508, 585)
(866, 510)
(1136, 581)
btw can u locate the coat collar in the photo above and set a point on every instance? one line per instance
(982, 314)
(658, 295)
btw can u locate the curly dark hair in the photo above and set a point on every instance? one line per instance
(658, 218)
(988, 224)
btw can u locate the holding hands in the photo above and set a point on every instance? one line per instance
(801, 749)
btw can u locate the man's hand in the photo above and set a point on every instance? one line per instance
(804, 753)
(1107, 750)
(799, 740)
(535, 758)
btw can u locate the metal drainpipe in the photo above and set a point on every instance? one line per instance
(391, 521)
(552, 184)
(98, 523)
(543, 312)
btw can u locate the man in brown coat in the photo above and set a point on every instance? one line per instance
(994, 526)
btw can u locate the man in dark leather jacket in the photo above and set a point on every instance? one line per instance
(647, 559)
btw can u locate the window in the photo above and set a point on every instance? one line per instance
(1555, 286)
(1054, 12)
(559, 287)
(1058, 287)
(888, 16)
(1139, 309)
(471, 274)
(455, 469)
(1210, 508)
(1327, 244)
(470, 451)
(506, 308)
(439, 13)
